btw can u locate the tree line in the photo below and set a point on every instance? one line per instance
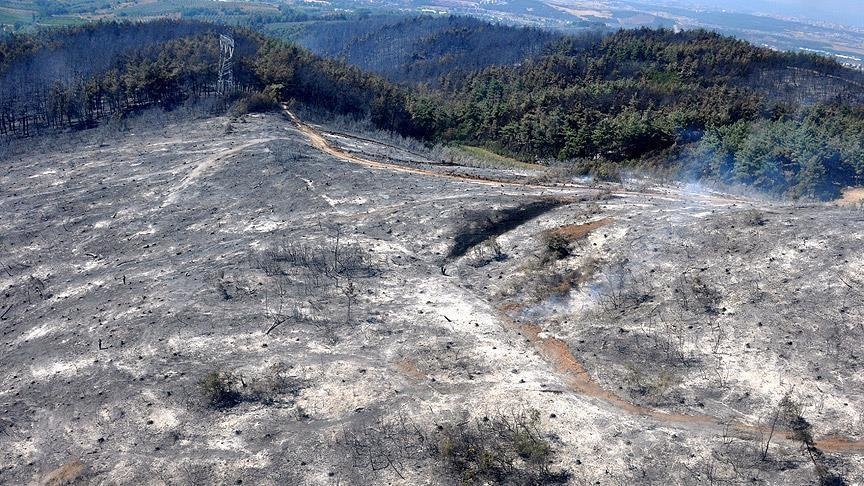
(422, 50)
(646, 97)
(705, 105)
(658, 98)
(73, 77)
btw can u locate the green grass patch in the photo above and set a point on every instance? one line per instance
(12, 15)
(194, 8)
(495, 159)
(60, 21)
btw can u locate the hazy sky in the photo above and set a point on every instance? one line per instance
(849, 12)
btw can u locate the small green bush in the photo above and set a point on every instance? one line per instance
(224, 389)
(556, 247)
(607, 172)
(219, 389)
(506, 448)
(254, 103)
(598, 169)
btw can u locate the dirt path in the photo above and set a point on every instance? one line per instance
(210, 163)
(337, 134)
(556, 351)
(320, 142)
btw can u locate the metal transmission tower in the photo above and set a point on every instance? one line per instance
(226, 65)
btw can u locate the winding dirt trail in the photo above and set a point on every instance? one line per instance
(319, 142)
(211, 163)
(556, 351)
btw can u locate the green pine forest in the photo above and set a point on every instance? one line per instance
(694, 104)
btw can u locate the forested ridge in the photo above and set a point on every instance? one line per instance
(422, 50)
(711, 105)
(75, 76)
(707, 106)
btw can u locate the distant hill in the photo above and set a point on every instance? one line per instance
(75, 76)
(844, 12)
(423, 49)
(707, 105)
(655, 97)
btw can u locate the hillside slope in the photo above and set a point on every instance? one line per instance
(692, 105)
(422, 50)
(190, 304)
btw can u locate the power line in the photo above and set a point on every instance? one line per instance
(226, 65)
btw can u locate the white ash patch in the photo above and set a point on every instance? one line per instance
(60, 369)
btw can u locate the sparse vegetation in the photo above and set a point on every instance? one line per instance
(254, 103)
(504, 448)
(651, 389)
(376, 442)
(754, 217)
(332, 260)
(223, 389)
(321, 273)
(791, 415)
(277, 386)
(621, 288)
(181, 303)
(220, 389)
(487, 252)
(694, 294)
(557, 243)
(501, 448)
(555, 247)
(548, 284)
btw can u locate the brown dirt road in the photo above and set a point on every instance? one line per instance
(554, 350)
(557, 352)
(319, 142)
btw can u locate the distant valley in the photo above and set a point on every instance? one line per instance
(838, 35)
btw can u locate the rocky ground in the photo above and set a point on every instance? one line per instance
(216, 302)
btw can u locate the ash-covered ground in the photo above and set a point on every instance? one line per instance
(192, 304)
